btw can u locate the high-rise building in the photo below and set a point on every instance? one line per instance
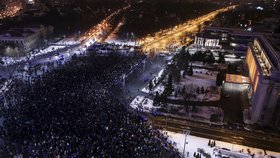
(263, 63)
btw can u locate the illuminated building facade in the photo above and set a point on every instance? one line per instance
(207, 40)
(25, 38)
(263, 63)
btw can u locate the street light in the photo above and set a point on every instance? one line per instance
(187, 132)
(123, 77)
(144, 65)
(166, 117)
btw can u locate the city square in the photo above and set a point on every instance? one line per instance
(147, 79)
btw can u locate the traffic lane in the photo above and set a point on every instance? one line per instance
(240, 132)
(256, 142)
(187, 27)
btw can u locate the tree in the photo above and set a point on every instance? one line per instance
(209, 142)
(184, 73)
(184, 89)
(210, 59)
(1, 61)
(157, 99)
(168, 87)
(74, 57)
(194, 109)
(202, 90)
(177, 75)
(170, 80)
(214, 118)
(220, 78)
(221, 58)
(190, 72)
(176, 94)
(151, 86)
(175, 71)
(155, 81)
(197, 90)
(188, 55)
(182, 59)
(198, 56)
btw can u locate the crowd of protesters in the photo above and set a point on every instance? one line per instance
(70, 112)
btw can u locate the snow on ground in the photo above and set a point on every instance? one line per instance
(143, 104)
(134, 104)
(201, 78)
(232, 60)
(13, 60)
(145, 89)
(67, 42)
(197, 142)
(53, 47)
(159, 88)
(50, 49)
(199, 114)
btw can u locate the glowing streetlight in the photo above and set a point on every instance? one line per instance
(187, 132)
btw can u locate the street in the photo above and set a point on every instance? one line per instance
(175, 34)
(235, 136)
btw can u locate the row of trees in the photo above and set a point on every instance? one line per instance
(180, 63)
(207, 57)
(220, 78)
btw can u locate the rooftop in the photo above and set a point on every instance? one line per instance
(271, 45)
(238, 79)
(208, 35)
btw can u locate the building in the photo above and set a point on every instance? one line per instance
(226, 38)
(263, 65)
(25, 38)
(235, 38)
(207, 40)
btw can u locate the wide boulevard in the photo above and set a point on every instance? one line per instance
(234, 135)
